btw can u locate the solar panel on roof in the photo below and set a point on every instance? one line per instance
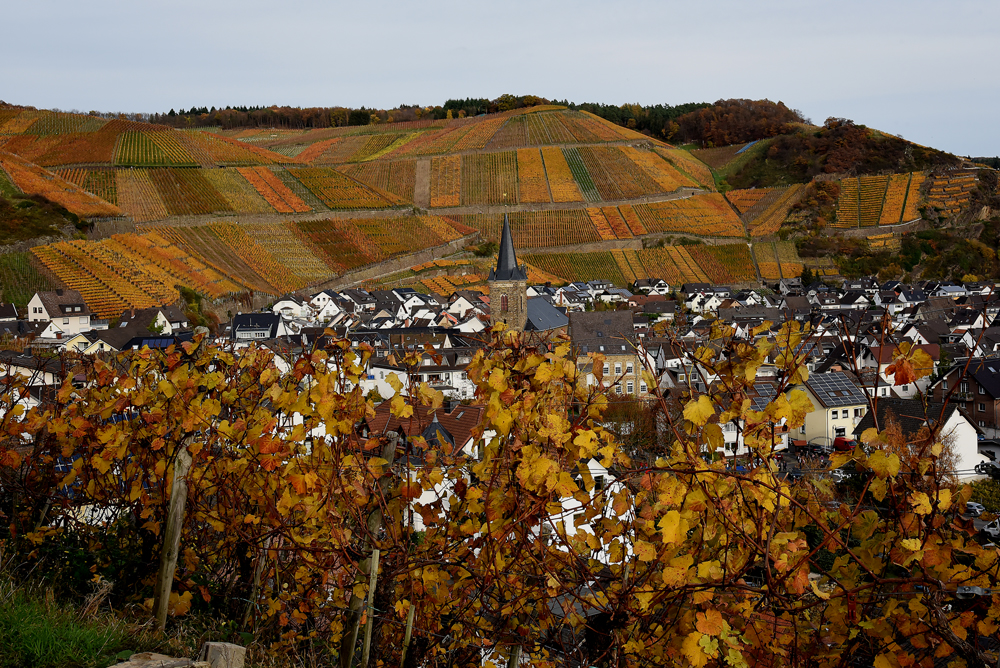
(835, 389)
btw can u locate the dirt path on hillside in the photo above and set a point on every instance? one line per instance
(422, 188)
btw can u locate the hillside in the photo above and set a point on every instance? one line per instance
(261, 211)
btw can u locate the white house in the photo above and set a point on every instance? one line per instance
(64, 308)
(955, 430)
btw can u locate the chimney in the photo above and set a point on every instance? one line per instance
(59, 292)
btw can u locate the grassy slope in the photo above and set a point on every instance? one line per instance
(26, 217)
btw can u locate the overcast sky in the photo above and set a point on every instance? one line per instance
(927, 70)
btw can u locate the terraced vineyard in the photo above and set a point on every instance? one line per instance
(348, 244)
(729, 263)
(702, 215)
(489, 178)
(33, 180)
(720, 156)
(765, 216)
(532, 186)
(895, 199)
(580, 266)
(949, 193)
(397, 177)
(847, 204)
(870, 201)
(340, 192)
(561, 182)
(53, 139)
(537, 229)
(20, 278)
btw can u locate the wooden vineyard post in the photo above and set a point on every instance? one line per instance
(408, 633)
(353, 617)
(172, 535)
(369, 617)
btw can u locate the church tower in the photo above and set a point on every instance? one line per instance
(508, 286)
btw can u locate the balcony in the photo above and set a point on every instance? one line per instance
(962, 396)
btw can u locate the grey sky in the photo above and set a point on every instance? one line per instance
(926, 70)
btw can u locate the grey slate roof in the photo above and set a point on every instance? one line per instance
(507, 268)
(909, 413)
(543, 316)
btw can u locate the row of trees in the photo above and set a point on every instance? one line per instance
(301, 530)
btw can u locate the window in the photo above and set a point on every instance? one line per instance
(906, 388)
(607, 369)
(834, 414)
(845, 413)
(618, 368)
(618, 389)
(680, 378)
(982, 424)
(65, 321)
(982, 390)
(83, 320)
(802, 429)
(503, 303)
(840, 432)
(964, 387)
(885, 392)
(858, 412)
(982, 408)
(642, 388)
(628, 367)
(630, 387)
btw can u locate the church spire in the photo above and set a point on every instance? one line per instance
(507, 269)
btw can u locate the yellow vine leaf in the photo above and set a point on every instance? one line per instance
(699, 410)
(692, 649)
(884, 464)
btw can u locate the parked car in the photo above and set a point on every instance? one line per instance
(992, 529)
(973, 509)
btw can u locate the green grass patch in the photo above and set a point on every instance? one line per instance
(7, 188)
(736, 165)
(37, 633)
